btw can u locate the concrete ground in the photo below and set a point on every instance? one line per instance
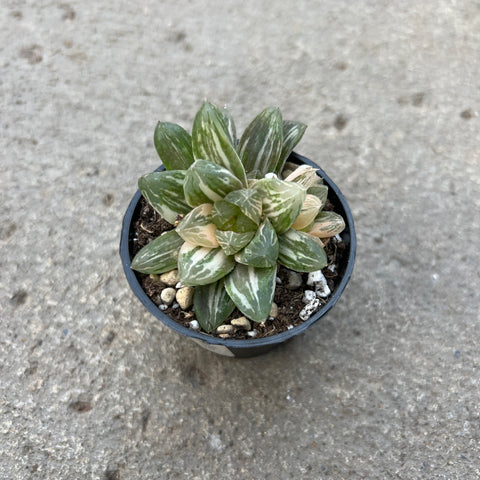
(387, 386)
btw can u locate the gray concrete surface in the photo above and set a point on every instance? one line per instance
(386, 387)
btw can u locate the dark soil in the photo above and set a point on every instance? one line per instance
(150, 225)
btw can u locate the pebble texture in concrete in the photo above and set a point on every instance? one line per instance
(387, 386)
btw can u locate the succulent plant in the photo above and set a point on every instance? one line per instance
(237, 214)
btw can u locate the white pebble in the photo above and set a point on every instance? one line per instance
(309, 309)
(294, 280)
(222, 329)
(271, 175)
(273, 310)
(337, 238)
(194, 325)
(308, 296)
(241, 322)
(175, 305)
(185, 297)
(170, 278)
(168, 295)
(252, 333)
(314, 277)
(278, 280)
(163, 307)
(179, 285)
(289, 327)
(318, 279)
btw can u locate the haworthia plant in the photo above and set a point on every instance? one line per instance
(235, 219)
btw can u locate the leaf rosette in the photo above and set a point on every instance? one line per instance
(235, 218)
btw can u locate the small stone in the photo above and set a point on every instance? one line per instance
(163, 307)
(273, 310)
(168, 295)
(185, 297)
(321, 286)
(308, 296)
(289, 327)
(222, 329)
(252, 333)
(278, 280)
(309, 309)
(286, 173)
(194, 325)
(170, 278)
(154, 277)
(224, 335)
(179, 285)
(241, 322)
(175, 305)
(294, 280)
(314, 277)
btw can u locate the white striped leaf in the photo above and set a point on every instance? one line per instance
(227, 216)
(282, 201)
(201, 266)
(304, 175)
(233, 242)
(301, 252)
(228, 119)
(262, 251)
(160, 255)
(310, 208)
(327, 224)
(249, 201)
(212, 305)
(173, 145)
(211, 141)
(252, 289)
(261, 143)
(207, 182)
(164, 191)
(320, 191)
(292, 134)
(197, 228)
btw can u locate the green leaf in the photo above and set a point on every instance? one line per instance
(160, 255)
(211, 141)
(173, 145)
(292, 134)
(197, 228)
(282, 201)
(252, 289)
(164, 191)
(228, 120)
(262, 251)
(320, 191)
(227, 216)
(212, 305)
(249, 201)
(301, 252)
(233, 242)
(207, 182)
(327, 224)
(261, 143)
(201, 266)
(310, 208)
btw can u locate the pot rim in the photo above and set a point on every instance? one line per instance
(349, 238)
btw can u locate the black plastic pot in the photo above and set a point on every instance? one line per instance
(249, 347)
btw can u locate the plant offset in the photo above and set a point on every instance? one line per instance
(235, 218)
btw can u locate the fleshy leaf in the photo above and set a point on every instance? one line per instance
(197, 228)
(227, 216)
(261, 143)
(304, 175)
(201, 266)
(310, 208)
(249, 201)
(327, 224)
(282, 201)
(320, 191)
(164, 191)
(160, 255)
(212, 305)
(211, 141)
(173, 145)
(233, 242)
(262, 251)
(301, 252)
(228, 119)
(292, 134)
(252, 289)
(207, 182)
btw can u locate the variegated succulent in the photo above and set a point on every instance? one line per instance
(237, 214)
